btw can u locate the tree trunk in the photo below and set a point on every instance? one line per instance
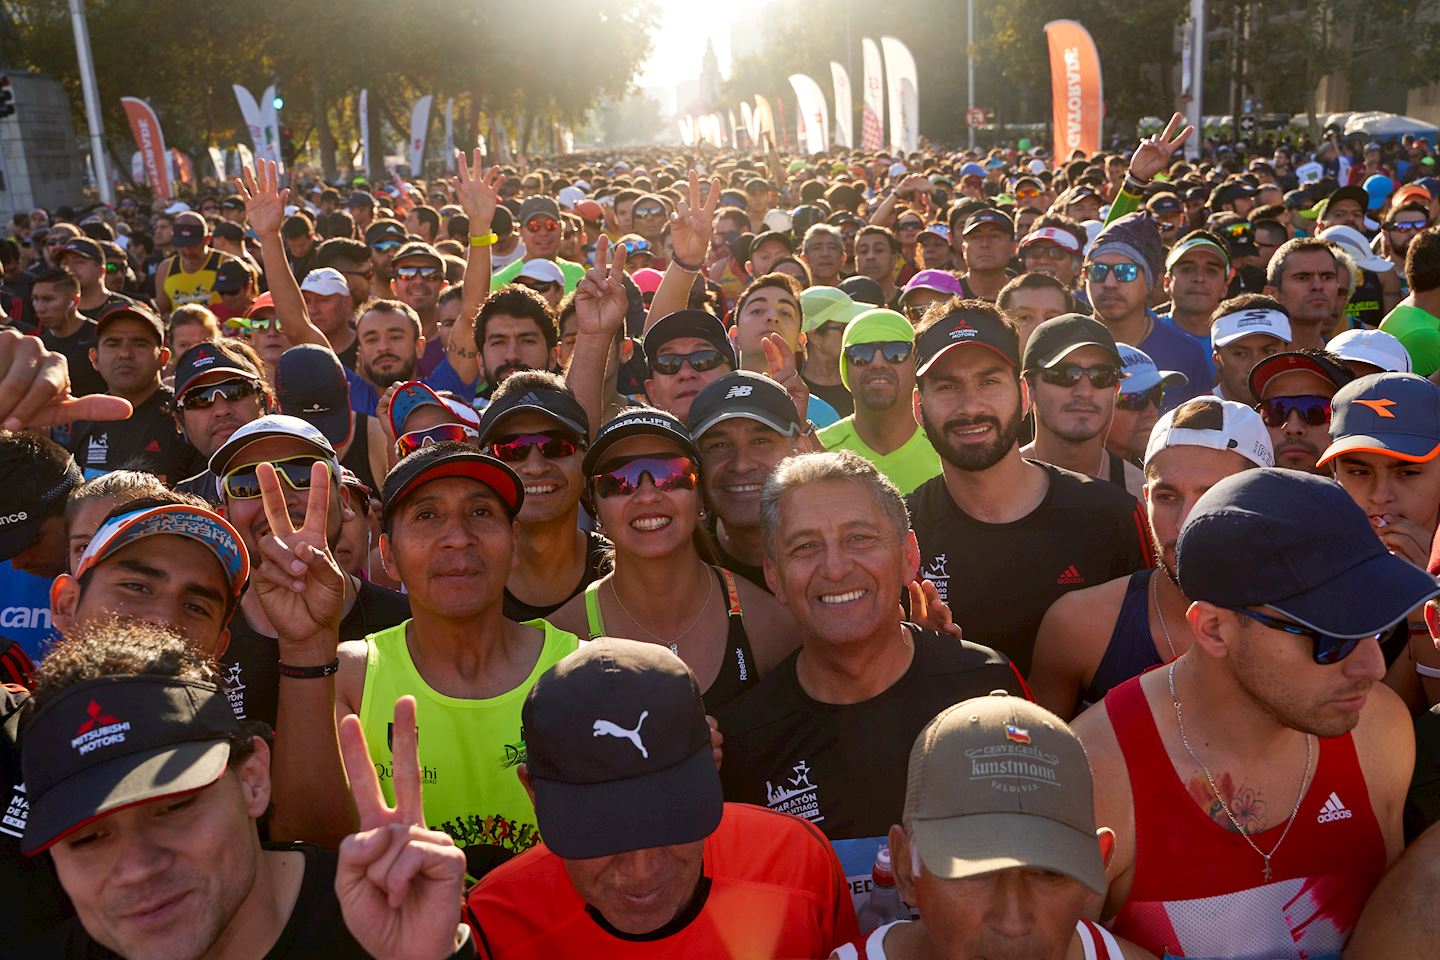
(326, 136)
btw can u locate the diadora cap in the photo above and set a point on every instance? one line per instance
(999, 783)
(1299, 544)
(1209, 421)
(117, 741)
(618, 752)
(1394, 414)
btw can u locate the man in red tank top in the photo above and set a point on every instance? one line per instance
(1256, 783)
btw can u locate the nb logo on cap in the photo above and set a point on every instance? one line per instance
(1381, 407)
(739, 390)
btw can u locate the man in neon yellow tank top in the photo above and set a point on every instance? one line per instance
(449, 537)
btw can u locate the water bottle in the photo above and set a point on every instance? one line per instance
(883, 905)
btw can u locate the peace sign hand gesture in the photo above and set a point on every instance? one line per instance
(600, 300)
(264, 199)
(479, 192)
(1154, 153)
(297, 581)
(693, 222)
(399, 884)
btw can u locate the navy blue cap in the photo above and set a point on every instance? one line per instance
(636, 422)
(1299, 544)
(689, 323)
(310, 383)
(991, 215)
(1394, 414)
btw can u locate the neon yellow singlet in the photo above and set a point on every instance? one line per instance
(469, 749)
(197, 287)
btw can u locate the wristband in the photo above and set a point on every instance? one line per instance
(1134, 185)
(483, 239)
(688, 268)
(310, 673)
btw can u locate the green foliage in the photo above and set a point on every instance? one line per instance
(555, 63)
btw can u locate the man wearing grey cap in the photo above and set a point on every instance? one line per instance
(539, 222)
(998, 848)
(1258, 781)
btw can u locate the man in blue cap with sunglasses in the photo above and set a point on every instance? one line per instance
(1259, 779)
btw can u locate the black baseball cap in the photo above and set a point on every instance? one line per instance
(688, 323)
(1229, 193)
(560, 405)
(747, 395)
(637, 422)
(618, 752)
(862, 289)
(190, 230)
(766, 236)
(113, 742)
(360, 199)
(209, 357)
(20, 522)
(1300, 544)
(964, 327)
(990, 215)
(450, 459)
(1277, 363)
(85, 247)
(383, 231)
(232, 276)
(537, 206)
(233, 202)
(137, 310)
(419, 249)
(310, 383)
(1164, 203)
(1355, 193)
(1058, 337)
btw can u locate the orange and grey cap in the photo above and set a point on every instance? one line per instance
(999, 783)
(1396, 415)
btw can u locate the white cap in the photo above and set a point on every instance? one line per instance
(1037, 166)
(1353, 242)
(568, 197)
(1242, 323)
(1375, 347)
(898, 169)
(1216, 424)
(325, 282)
(1142, 374)
(546, 271)
(177, 207)
(778, 220)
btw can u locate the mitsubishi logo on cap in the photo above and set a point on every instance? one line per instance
(99, 730)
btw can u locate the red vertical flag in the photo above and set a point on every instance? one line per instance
(151, 141)
(1079, 104)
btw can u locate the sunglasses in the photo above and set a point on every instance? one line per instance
(203, 398)
(647, 211)
(408, 443)
(636, 246)
(542, 224)
(264, 324)
(385, 246)
(700, 360)
(368, 273)
(553, 445)
(914, 312)
(1314, 411)
(1238, 230)
(1029, 193)
(1135, 402)
(863, 354)
(1406, 226)
(1327, 649)
(621, 478)
(909, 225)
(244, 483)
(539, 286)
(1124, 272)
(417, 273)
(1069, 375)
(1048, 252)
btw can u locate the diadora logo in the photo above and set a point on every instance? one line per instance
(99, 730)
(1381, 407)
(1333, 810)
(739, 390)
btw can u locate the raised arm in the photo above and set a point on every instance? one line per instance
(478, 191)
(691, 225)
(265, 209)
(1151, 157)
(600, 307)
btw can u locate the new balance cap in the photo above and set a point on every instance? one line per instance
(1393, 414)
(1216, 424)
(966, 326)
(744, 395)
(113, 742)
(998, 783)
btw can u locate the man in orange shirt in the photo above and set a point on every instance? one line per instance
(641, 858)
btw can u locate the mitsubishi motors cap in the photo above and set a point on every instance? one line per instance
(966, 326)
(996, 783)
(1396, 415)
(618, 752)
(205, 360)
(116, 741)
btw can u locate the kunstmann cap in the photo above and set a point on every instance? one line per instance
(999, 783)
(618, 752)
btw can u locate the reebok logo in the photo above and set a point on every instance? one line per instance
(1333, 810)
(1381, 407)
(739, 390)
(1070, 577)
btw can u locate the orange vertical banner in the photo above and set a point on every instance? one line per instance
(151, 141)
(1076, 89)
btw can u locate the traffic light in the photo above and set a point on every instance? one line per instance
(7, 98)
(278, 103)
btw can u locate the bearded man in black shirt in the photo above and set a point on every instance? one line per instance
(1002, 537)
(818, 736)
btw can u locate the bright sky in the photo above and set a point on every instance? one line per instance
(680, 42)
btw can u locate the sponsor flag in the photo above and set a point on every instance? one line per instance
(270, 120)
(254, 120)
(450, 135)
(151, 141)
(1075, 87)
(419, 124)
(872, 111)
(364, 109)
(904, 89)
(814, 119)
(844, 107)
(764, 120)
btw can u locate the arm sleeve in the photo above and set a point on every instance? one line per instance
(1124, 202)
